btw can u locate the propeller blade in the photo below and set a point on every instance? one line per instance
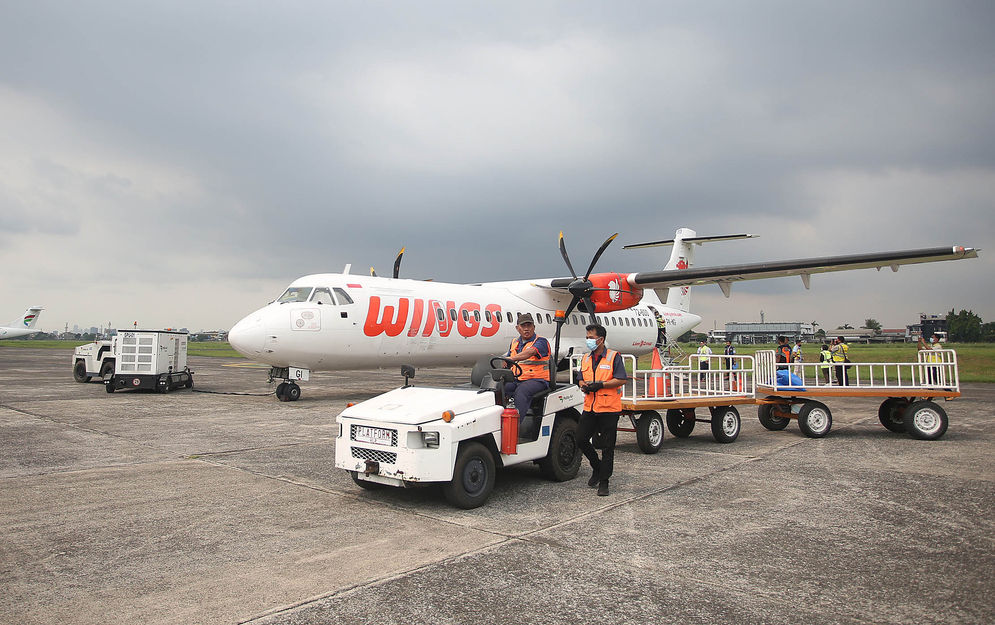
(601, 251)
(563, 253)
(397, 263)
(590, 309)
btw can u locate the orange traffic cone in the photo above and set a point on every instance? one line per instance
(658, 383)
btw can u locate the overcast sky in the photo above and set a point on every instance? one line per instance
(177, 164)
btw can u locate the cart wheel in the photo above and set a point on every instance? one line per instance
(814, 419)
(890, 413)
(107, 369)
(280, 391)
(680, 422)
(649, 431)
(925, 420)
(768, 420)
(189, 382)
(563, 460)
(473, 476)
(365, 484)
(725, 424)
(109, 386)
(292, 392)
(79, 372)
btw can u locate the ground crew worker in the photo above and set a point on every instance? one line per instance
(729, 350)
(825, 357)
(704, 351)
(782, 352)
(531, 352)
(840, 351)
(933, 372)
(796, 357)
(602, 374)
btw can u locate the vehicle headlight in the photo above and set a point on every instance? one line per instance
(431, 439)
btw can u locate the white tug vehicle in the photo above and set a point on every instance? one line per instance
(458, 437)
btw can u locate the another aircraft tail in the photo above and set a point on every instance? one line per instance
(682, 257)
(28, 319)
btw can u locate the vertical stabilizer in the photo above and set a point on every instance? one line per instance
(681, 257)
(28, 319)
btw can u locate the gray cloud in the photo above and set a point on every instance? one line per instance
(226, 148)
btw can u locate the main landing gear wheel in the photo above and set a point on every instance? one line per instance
(765, 412)
(649, 431)
(563, 460)
(925, 420)
(79, 372)
(891, 414)
(473, 476)
(814, 419)
(680, 422)
(725, 424)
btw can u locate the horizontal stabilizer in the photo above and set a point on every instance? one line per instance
(696, 240)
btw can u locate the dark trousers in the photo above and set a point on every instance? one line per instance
(605, 424)
(524, 392)
(841, 377)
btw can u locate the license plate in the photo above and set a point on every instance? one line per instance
(303, 375)
(377, 436)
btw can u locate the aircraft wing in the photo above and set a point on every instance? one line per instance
(727, 274)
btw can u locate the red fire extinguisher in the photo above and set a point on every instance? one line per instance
(509, 431)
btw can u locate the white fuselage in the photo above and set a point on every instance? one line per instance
(392, 321)
(7, 332)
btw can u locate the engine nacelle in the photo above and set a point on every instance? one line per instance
(613, 292)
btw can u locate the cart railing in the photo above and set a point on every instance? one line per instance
(725, 376)
(931, 369)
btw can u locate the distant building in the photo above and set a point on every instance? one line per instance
(928, 326)
(751, 332)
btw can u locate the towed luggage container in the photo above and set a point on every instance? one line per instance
(150, 359)
(718, 383)
(908, 389)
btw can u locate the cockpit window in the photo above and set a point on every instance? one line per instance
(342, 296)
(295, 294)
(322, 296)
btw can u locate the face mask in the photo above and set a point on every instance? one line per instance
(592, 344)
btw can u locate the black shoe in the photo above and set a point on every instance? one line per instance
(603, 488)
(595, 478)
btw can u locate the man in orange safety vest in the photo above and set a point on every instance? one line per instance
(602, 374)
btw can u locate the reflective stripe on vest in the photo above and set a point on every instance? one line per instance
(531, 369)
(827, 357)
(607, 399)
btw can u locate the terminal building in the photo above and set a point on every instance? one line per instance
(767, 332)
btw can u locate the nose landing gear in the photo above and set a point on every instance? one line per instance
(288, 390)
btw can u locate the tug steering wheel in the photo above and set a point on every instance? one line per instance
(506, 363)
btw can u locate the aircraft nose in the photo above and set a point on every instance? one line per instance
(247, 336)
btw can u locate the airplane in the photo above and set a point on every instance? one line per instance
(329, 321)
(23, 325)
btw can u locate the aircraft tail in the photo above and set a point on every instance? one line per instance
(28, 319)
(682, 257)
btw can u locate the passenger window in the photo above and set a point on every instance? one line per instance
(476, 315)
(322, 295)
(342, 296)
(452, 314)
(295, 294)
(441, 314)
(510, 320)
(466, 315)
(487, 315)
(626, 321)
(548, 318)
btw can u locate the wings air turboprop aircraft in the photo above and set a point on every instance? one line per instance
(23, 325)
(327, 322)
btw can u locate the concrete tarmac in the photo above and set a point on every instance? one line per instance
(194, 507)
